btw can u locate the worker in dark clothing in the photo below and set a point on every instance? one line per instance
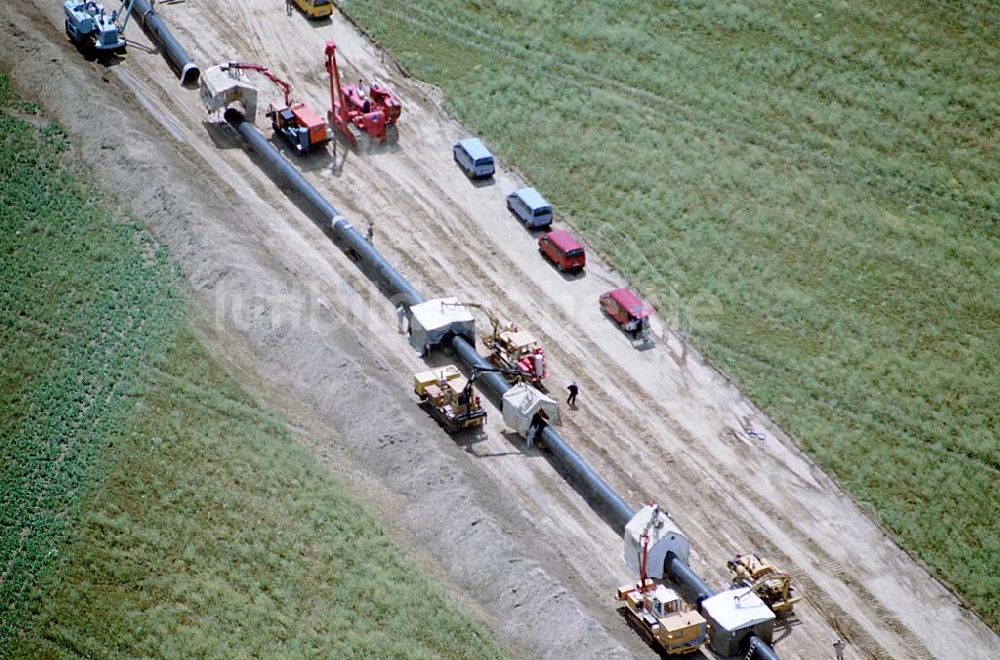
(370, 232)
(573, 390)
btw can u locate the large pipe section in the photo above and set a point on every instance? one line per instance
(692, 587)
(161, 36)
(399, 289)
(617, 511)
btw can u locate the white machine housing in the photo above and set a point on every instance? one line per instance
(432, 321)
(664, 537)
(222, 86)
(733, 615)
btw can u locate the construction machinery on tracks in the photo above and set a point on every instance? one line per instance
(654, 609)
(301, 127)
(511, 348)
(358, 116)
(93, 29)
(771, 585)
(451, 398)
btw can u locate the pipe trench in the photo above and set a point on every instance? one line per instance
(616, 511)
(162, 37)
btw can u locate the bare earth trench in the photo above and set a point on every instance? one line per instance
(310, 335)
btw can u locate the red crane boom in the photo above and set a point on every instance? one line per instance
(267, 73)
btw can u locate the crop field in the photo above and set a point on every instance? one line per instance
(823, 175)
(87, 304)
(148, 505)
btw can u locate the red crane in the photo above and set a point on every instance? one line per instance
(355, 114)
(299, 124)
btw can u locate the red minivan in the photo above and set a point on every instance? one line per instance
(627, 311)
(563, 250)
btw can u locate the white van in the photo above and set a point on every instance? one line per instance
(474, 158)
(530, 208)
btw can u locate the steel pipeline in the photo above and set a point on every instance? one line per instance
(161, 36)
(612, 505)
(400, 290)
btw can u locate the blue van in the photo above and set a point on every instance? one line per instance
(530, 208)
(474, 158)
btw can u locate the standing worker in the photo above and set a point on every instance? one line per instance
(370, 232)
(400, 315)
(838, 646)
(573, 390)
(288, 7)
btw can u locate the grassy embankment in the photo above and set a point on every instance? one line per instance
(148, 506)
(827, 173)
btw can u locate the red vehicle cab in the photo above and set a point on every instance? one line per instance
(627, 311)
(563, 250)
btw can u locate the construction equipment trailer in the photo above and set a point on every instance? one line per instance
(301, 126)
(359, 117)
(93, 29)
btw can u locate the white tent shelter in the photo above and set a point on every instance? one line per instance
(520, 405)
(430, 321)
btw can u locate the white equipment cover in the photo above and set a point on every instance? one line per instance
(430, 321)
(732, 616)
(520, 405)
(664, 536)
(221, 87)
(736, 609)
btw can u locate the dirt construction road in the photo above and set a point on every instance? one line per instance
(493, 518)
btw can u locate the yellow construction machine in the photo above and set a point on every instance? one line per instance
(315, 8)
(657, 611)
(511, 348)
(663, 617)
(450, 398)
(773, 586)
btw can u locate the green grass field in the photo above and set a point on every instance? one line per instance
(148, 506)
(87, 305)
(827, 172)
